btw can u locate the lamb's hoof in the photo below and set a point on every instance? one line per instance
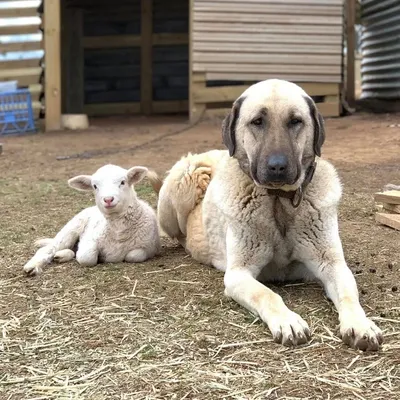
(32, 269)
(63, 256)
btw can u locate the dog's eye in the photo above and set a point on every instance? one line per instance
(257, 122)
(295, 121)
(122, 183)
(95, 187)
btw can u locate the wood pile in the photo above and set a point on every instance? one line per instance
(388, 208)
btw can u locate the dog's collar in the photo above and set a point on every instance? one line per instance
(296, 196)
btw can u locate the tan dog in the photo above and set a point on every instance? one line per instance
(260, 213)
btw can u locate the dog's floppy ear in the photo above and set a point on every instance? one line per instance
(229, 126)
(319, 126)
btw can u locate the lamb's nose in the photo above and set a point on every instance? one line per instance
(108, 200)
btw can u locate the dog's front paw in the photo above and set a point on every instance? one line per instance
(289, 329)
(361, 333)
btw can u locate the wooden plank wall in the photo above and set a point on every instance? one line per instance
(16, 64)
(296, 40)
(135, 56)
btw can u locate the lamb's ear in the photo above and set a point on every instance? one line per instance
(319, 126)
(81, 182)
(136, 174)
(229, 126)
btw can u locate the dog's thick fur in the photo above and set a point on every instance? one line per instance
(218, 206)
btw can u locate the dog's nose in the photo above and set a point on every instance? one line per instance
(108, 200)
(277, 164)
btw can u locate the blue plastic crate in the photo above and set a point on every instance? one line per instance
(16, 114)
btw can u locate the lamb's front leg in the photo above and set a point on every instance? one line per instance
(88, 253)
(136, 256)
(243, 266)
(326, 261)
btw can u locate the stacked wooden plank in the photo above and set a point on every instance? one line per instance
(249, 41)
(388, 206)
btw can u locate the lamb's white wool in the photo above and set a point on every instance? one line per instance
(119, 228)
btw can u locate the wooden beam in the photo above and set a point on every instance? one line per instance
(118, 41)
(391, 220)
(72, 61)
(146, 56)
(158, 107)
(197, 80)
(351, 46)
(53, 65)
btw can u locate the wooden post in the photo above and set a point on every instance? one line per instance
(351, 47)
(196, 80)
(52, 65)
(146, 80)
(72, 61)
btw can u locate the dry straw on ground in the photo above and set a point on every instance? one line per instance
(163, 329)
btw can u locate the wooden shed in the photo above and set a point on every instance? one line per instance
(147, 57)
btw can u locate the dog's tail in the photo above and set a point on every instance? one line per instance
(155, 181)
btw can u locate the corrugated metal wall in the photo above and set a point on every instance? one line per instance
(21, 47)
(298, 40)
(380, 44)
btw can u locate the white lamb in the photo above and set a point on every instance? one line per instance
(120, 228)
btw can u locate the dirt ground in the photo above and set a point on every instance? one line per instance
(163, 329)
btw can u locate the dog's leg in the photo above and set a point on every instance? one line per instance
(326, 261)
(241, 285)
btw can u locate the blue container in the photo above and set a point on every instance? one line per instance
(16, 114)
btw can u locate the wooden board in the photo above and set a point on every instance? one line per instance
(158, 107)
(263, 7)
(391, 220)
(18, 12)
(120, 41)
(19, 29)
(146, 57)
(25, 77)
(18, 64)
(259, 75)
(267, 18)
(390, 197)
(351, 47)
(392, 207)
(53, 65)
(21, 46)
(267, 48)
(72, 61)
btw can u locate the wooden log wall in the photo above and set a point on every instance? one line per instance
(17, 62)
(296, 40)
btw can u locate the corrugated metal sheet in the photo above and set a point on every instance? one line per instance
(298, 40)
(21, 47)
(380, 44)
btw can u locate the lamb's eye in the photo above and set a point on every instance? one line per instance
(95, 187)
(122, 183)
(295, 121)
(257, 122)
